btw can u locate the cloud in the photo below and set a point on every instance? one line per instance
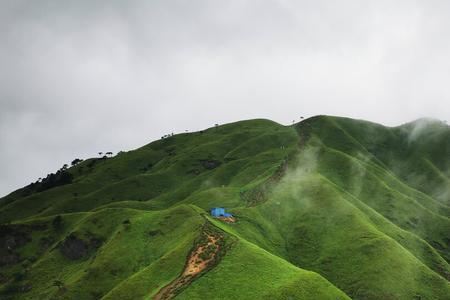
(77, 77)
(424, 127)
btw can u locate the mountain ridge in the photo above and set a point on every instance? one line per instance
(363, 206)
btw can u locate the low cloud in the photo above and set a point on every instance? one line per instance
(424, 127)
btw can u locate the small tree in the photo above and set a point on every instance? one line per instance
(76, 161)
(57, 223)
(59, 284)
(126, 224)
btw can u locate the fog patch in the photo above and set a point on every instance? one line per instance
(298, 177)
(358, 173)
(305, 163)
(442, 193)
(423, 127)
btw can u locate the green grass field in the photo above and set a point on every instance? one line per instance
(328, 208)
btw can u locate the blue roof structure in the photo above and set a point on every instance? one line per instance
(220, 212)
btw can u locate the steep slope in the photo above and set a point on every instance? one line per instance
(132, 254)
(329, 208)
(166, 171)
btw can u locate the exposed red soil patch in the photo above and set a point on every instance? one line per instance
(203, 256)
(197, 261)
(227, 219)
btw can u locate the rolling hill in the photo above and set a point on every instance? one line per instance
(328, 208)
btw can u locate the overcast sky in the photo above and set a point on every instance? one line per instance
(78, 77)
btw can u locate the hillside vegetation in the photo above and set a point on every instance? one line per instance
(328, 208)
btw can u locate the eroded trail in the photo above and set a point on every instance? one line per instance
(202, 256)
(205, 254)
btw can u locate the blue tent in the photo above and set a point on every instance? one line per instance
(220, 212)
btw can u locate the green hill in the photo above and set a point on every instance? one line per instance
(328, 208)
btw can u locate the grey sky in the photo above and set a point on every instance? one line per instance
(78, 77)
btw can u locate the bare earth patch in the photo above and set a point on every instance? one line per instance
(203, 257)
(227, 219)
(198, 261)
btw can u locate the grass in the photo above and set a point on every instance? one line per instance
(329, 208)
(269, 276)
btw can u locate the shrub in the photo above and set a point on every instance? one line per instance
(57, 223)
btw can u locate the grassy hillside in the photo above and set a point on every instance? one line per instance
(329, 208)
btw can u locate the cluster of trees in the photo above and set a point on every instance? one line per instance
(171, 134)
(167, 135)
(107, 154)
(61, 177)
(76, 161)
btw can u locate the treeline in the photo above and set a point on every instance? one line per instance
(61, 177)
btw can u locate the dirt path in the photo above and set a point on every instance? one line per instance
(195, 263)
(202, 257)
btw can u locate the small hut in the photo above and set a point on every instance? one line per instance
(220, 212)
